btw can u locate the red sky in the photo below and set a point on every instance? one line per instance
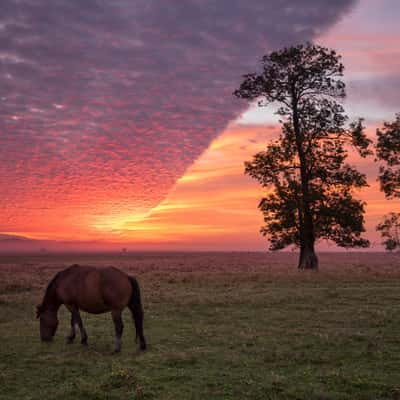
(148, 151)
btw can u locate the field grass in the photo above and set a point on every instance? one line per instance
(219, 326)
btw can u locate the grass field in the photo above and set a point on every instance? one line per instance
(219, 326)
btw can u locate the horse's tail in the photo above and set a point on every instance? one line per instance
(135, 305)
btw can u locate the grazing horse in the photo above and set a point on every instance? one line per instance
(95, 291)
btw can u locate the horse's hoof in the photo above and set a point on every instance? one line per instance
(84, 343)
(69, 340)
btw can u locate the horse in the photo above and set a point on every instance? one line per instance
(96, 291)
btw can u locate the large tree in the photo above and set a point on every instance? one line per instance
(310, 184)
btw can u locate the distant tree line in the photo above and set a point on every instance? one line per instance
(310, 185)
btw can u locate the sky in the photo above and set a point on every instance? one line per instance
(118, 126)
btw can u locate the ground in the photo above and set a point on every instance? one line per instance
(219, 326)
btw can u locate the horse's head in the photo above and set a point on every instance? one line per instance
(48, 322)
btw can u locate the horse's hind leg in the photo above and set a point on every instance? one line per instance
(119, 328)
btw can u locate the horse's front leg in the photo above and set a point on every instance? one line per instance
(119, 328)
(72, 334)
(76, 320)
(82, 329)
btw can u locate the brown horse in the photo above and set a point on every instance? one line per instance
(95, 291)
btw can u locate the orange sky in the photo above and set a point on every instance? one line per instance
(214, 205)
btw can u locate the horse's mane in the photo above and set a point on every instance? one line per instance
(52, 283)
(49, 293)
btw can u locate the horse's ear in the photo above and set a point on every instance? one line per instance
(38, 310)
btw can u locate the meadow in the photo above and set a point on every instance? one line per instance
(218, 325)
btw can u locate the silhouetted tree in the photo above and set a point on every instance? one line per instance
(311, 186)
(390, 231)
(388, 150)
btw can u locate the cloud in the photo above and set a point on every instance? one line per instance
(381, 94)
(104, 105)
(371, 56)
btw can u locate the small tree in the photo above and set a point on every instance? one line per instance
(311, 186)
(388, 150)
(390, 231)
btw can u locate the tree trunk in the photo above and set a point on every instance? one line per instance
(308, 258)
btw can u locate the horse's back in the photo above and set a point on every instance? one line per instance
(95, 290)
(116, 287)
